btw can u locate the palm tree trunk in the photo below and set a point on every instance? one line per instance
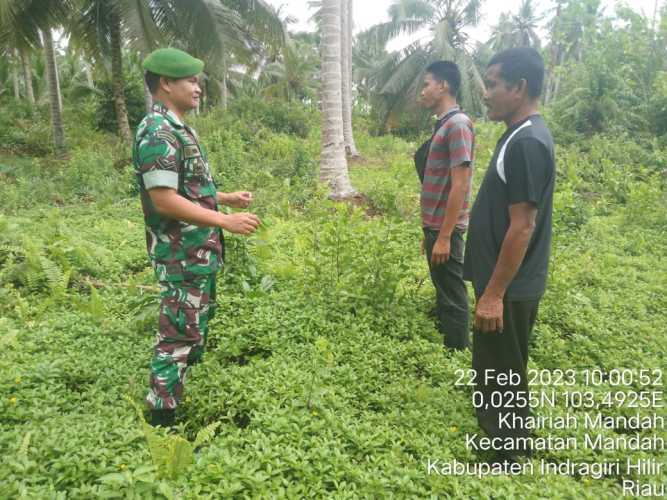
(333, 164)
(148, 97)
(556, 75)
(556, 86)
(346, 29)
(476, 86)
(117, 80)
(27, 77)
(203, 99)
(551, 84)
(222, 86)
(15, 78)
(89, 75)
(54, 95)
(554, 59)
(56, 74)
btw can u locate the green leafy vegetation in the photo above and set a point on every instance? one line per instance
(324, 373)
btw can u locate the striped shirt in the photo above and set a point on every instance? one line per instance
(452, 145)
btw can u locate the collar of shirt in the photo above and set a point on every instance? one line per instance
(159, 107)
(442, 115)
(515, 126)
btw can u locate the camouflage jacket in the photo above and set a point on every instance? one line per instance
(166, 153)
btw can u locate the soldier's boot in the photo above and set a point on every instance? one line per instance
(163, 418)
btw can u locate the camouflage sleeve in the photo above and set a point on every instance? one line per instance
(157, 159)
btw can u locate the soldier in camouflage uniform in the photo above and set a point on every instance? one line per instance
(183, 224)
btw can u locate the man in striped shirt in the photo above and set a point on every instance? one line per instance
(445, 199)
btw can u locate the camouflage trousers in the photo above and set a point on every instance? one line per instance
(185, 310)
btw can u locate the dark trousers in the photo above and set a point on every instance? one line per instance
(450, 290)
(504, 353)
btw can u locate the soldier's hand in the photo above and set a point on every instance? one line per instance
(240, 199)
(240, 223)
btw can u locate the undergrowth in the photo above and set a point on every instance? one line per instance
(325, 374)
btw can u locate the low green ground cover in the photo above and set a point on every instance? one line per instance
(325, 374)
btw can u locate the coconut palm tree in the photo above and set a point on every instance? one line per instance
(368, 56)
(346, 66)
(346, 60)
(9, 71)
(15, 77)
(446, 22)
(117, 72)
(291, 76)
(19, 42)
(24, 55)
(525, 25)
(55, 95)
(516, 30)
(333, 164)
(573, 27)
(22, 21)
(220, 32)
(502, 34)
(97, 26)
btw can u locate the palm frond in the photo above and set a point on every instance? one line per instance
(404, 72)
(418, 10)
(206, 28)
(140, 26)
(386, 32)
(472, 12)
(21, 21)
(406, 17)
(404, 78)
(90, 27)
(262, 20)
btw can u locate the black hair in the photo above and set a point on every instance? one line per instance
(521, 63)
(446, 71)
(152, 81)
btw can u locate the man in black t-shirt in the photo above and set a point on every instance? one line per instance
(507, 249)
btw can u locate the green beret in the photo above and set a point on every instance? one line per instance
(173, 63)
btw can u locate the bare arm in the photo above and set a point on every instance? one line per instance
(513, 249)
(489, 311)
(169, 203)
(459, 177)
(237, 199)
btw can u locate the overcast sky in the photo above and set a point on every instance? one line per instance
(370, 12)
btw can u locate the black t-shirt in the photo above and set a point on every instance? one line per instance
(522, 170)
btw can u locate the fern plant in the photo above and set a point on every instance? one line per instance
(33, 275)
(57, 279)
(25, 446)
(95, 306)
(172, 454)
